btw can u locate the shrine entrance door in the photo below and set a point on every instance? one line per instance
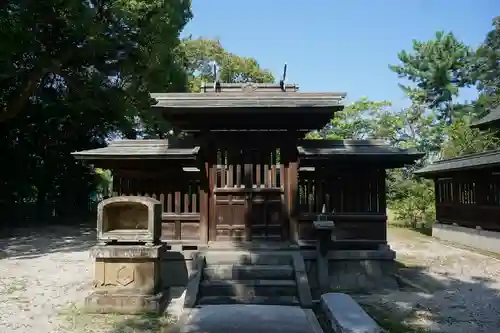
(248, 196)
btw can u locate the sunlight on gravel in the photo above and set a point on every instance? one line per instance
(47, 275)
(41, 275)
(464, 286)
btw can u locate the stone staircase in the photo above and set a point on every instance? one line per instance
(253, 277)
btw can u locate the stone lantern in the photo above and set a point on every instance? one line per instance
(127, 257)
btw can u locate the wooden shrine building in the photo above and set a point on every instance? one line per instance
(467, 190)
(244, 172)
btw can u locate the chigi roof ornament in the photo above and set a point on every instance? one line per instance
(283, 78)
(217, 87)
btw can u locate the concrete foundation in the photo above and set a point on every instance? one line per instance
(476, 238)
(347, 270)
(353, 271)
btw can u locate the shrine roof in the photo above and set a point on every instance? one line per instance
(248, 106)
(139, 149)
(351, 147)
(255, 100)
(467, 162)
(369, 150)
(490, 119)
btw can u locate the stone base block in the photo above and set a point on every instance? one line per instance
(125, 267)
(362, 271)
(125, 302)
(471, 237)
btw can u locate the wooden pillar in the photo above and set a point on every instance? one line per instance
(115, 190)
(382, 203)
(204, 199)
(210, 165)
(292, 168)
(455, 190)
(383, 198)
(482, 182)
(437, 198)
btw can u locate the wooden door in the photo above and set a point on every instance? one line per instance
(266, 212)
(248, 197)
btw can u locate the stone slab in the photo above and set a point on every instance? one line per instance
(242, 318)
(302, 281)
(346, 315)
(193, 284)
(127, 251)
(125, 302)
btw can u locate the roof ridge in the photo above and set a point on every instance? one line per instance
(468, 156)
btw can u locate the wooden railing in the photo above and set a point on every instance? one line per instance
(355, 202)
(345, 192)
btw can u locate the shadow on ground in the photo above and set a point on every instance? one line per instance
(439, 300)
(31, 242)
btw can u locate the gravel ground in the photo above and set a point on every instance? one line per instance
(462, 288)
(47, 273)
(43, 272)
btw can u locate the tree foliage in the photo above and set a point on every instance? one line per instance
(201, 55)
(486, 67)
(437, 69)
(74, 73)
(434, 123)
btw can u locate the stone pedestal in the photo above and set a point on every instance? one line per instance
(126, 279)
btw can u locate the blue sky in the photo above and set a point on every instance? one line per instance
(333, 45)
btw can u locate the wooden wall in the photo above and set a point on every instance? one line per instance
(469, 199)
(354, 199)
(177, 190)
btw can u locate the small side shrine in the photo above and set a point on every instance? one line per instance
(467, 190)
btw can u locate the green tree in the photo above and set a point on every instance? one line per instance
(357, 121)
(201, 54)
(486, 68)
(437, 69)
(73, 74)
(462, 140)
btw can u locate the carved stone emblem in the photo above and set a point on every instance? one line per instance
(125, 276)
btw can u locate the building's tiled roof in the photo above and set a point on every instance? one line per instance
(471, 161)
(371, 151)
(351, 147)
(492, 117)
(138, 149)
(273, 99)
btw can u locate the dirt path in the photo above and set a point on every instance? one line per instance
(462, 287)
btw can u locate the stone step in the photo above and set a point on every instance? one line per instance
(247, 258)
(258, 300)
(248, 288)
(248, 272)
